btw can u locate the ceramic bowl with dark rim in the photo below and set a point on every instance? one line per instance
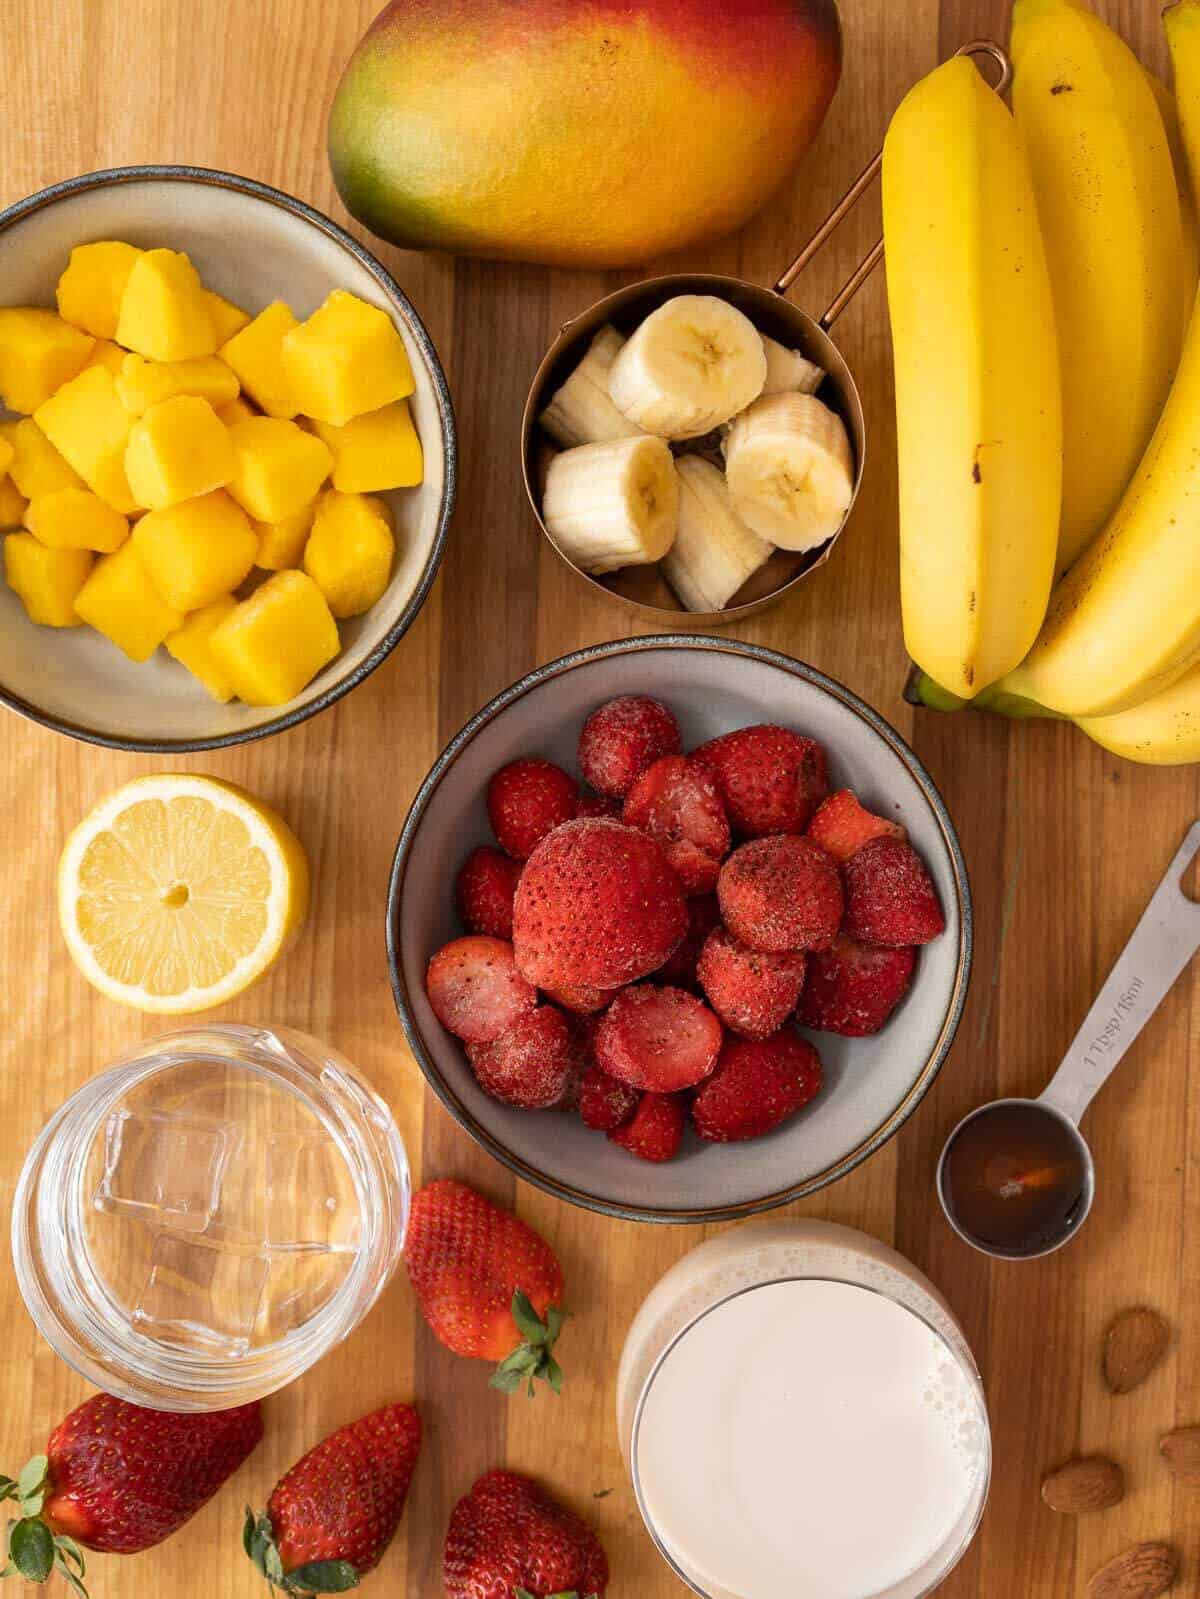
(713, 685)
(252, 244)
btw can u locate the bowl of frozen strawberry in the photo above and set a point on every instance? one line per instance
(679, 929)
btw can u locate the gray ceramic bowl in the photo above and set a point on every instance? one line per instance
(713, 685)
(252, 244)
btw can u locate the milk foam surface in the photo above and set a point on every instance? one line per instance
(810, 1438)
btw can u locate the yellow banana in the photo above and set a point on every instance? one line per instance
(977, 386)
(1109, 209)
(1187, 197)
(1162, 731)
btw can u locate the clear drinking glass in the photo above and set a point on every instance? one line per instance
(800, 1413)
(202, 1221)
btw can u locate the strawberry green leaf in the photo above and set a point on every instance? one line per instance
(507, 1382)
(274, 1566)
(529, 1323)
(554, 1375)
(69, 1552)
(31, 1504)
(248, 1526)
(31, 1548)
(32, 1476)
(323, 1576)
(8, 1488)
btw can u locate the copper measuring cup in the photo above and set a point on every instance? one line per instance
(773, 314)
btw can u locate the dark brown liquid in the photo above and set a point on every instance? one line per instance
(1014, 1178)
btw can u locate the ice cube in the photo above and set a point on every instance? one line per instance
(311, 1202)
(198, 1297)
(164, 1168)
(300, 1284)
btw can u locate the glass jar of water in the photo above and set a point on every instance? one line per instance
(202, 1221)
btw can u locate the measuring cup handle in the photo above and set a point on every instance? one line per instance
(977, 47)
(1163, 942)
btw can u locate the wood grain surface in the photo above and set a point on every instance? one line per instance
(1063, 842)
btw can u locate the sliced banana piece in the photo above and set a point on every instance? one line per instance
(790, 470)
(788, 371)
(581, 412)
(612, 504)
(690, 366)
(714, 551)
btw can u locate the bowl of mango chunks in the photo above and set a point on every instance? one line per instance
(227, 459)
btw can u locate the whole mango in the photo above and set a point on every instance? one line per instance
(590, 133)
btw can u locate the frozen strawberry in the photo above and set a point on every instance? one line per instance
(852, 988)
(756, 1086)
(655, 1130)
(605, 1102)
(530, 1065)
(781, 893)
(677, 803)
(582, 1030)
(579, 998)
(660, 1039)
(598, 805)
(475, 989)
(597, 905)
(525, 801)
(486, 887)
(841, 826)
(703, 915)
(889, 896)
(752, 992)
(621, 739)
(770, 778)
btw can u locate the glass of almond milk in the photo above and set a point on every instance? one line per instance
(800, 1414)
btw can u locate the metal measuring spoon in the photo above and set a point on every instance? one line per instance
(1024, 1161)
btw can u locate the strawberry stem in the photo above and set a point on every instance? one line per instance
(531, 1361)
(34, 1549)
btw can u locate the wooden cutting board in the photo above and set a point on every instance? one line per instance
(1064, 844)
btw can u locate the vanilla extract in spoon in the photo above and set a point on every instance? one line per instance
(1014, 1177)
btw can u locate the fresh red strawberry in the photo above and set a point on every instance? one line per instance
(597, 905)
(757, 1085)
(331, 1517)
(508, 1539)
(579, 998)
(660, 1039)
(677, 803)
(489, 1287)
(889, 896)
(526, 800)
(621, 739)
(770, 778)
(530, 1065)
(118, 1478)
(781, 893)
(841, 826)
(655, 1131)
(486, 886)
(598, 805)
(703, 915)
(752, 992)
(475, 989)
(852, 988)
(604, 1101)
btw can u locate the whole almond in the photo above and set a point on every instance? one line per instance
(1138, 1573)
(1134, 1344)
(1181, 1451)
(1093, 1483)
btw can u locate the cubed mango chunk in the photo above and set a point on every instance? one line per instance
(273, 644)
(108, 355)
(13, 505)
(378, 450)
(190, 647)
(346, 359)
(88, 425)
(38, 353)
(350, 551)
(256, 355)
(76, 519)
(197, 550)
(89, 291)
(164, 310)
(236, 411)
(145, 383)
(227, 318)
(37, 467)
(47, 580)
(177, 451)
(277, 467)
(120, 601)
(281, 544)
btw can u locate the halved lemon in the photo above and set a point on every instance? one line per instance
(177, 892)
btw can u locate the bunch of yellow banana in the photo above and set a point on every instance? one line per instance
(1118, 651)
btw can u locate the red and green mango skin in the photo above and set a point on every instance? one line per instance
(589, 133)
